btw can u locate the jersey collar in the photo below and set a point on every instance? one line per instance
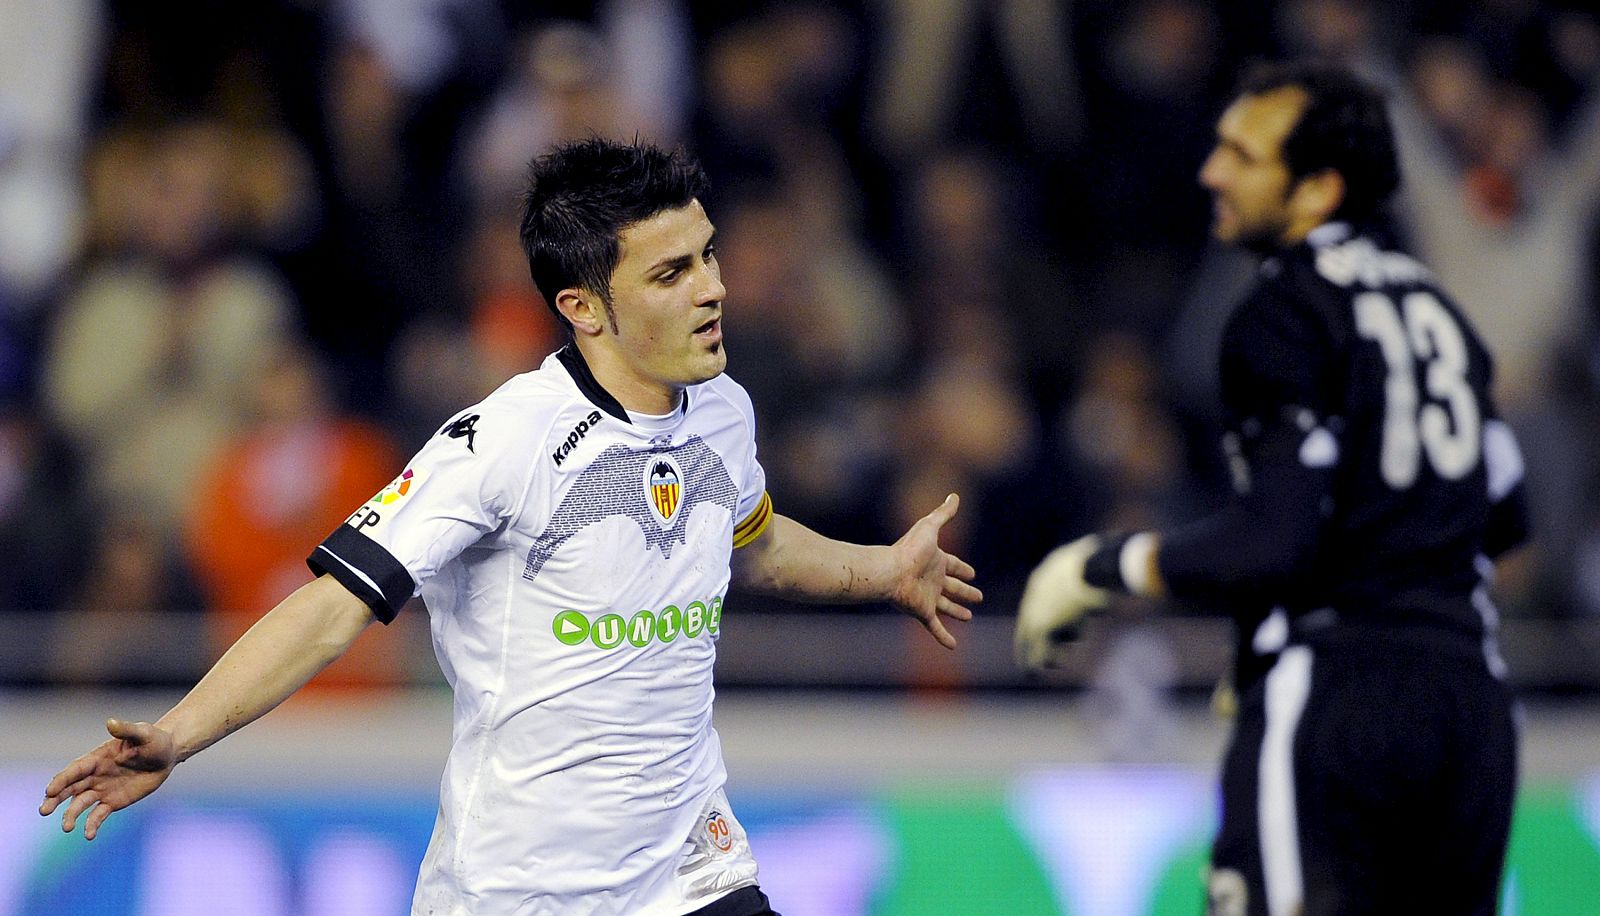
(583, 377)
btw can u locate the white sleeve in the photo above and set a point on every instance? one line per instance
(465, 481)
(754, 510)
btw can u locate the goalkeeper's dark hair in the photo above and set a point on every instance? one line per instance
(1344, 127)
(581, 196)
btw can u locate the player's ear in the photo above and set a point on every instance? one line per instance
(1316, 196)
(583, 310)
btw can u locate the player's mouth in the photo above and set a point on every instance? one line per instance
(710, 332)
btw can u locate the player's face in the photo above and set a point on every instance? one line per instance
(1250, 184)
(666, 309)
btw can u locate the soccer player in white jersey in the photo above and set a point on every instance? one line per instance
(573, 536)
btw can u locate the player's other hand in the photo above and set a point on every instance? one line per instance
(1054, 602)
(135, 762)
(930, 582)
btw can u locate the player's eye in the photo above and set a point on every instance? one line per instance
(710, 254)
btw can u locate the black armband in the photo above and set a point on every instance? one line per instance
(1103, 569)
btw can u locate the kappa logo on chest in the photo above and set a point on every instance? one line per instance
(575, 436)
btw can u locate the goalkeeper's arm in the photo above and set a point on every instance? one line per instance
(1062, 590)
(1261, 542)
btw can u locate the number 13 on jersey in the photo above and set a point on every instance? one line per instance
(1421, 332)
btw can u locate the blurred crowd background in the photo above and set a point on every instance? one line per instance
(252, 254)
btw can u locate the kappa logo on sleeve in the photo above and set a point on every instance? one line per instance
(466, 427)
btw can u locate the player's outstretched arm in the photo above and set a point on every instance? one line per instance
(285, 648)
(913, 573)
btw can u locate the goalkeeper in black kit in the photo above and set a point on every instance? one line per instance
(1372, 767)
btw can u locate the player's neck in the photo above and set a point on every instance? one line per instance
(632, 391)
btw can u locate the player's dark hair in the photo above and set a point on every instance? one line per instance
(582, 195)
(1344, 127)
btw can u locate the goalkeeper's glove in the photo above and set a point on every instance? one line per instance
(1055, 602)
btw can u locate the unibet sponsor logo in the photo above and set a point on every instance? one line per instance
(571, 627)
(609, 630)
(669, 624)
(642, 629)
(694, 619)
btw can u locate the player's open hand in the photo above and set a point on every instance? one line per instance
(135, 762)
(931, 582)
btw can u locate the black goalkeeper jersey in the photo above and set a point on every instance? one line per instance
(1372, 473)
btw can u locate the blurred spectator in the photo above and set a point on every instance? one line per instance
(570, 80)
(43, 519)
(512, 329)
(47, 54)
(400, 80)
(422, 44)
(1515, 209)
(979, 286)
(814, 330)
(159, 341)
(123, 623)
(1119, 429)
(1501, 215)
(1354, 33)
(1155, 82)
(388, 244)
(780, 108)
(934, 77)
(560, 88)
(292, 475)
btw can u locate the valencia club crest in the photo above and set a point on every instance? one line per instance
(664, 488)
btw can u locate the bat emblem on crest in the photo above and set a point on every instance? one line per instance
(674, 481)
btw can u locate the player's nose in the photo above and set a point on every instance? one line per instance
(712, 291)
(1210, 176)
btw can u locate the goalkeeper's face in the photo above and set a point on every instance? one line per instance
(1251, 185)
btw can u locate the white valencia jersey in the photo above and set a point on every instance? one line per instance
(574, 560)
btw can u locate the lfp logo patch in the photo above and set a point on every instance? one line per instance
(396, 489)
(664, 488)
